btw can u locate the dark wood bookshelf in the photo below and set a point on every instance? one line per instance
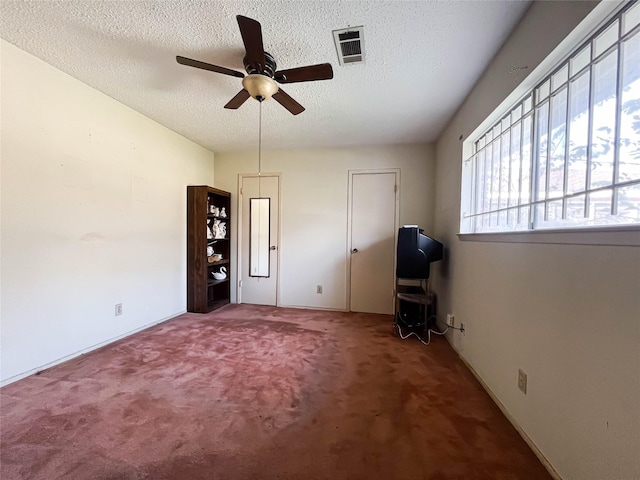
(204, 293)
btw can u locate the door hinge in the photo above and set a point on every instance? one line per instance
(395, 189)
(240, 284)
(240, 190)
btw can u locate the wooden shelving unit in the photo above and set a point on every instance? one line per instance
(205, 293)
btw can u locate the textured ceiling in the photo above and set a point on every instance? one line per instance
(422, 58)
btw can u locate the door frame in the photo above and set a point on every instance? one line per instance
(396, 171)
(241, 177)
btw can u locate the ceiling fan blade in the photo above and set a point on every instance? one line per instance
(251, 32)
(287, 102)
(238, 100)
(322, 71)
(207, 66)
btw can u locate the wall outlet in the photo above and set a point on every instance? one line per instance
(118, 309)
(319, 289)
(451, 320)
(522, 380)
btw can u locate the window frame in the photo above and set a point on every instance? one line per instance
(491, 132)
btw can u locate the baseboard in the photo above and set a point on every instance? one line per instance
(304, 307)
(71, 356)
(547, 465)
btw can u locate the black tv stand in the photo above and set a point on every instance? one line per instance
(414, 305)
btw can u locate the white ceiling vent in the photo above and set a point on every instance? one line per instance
(349, 45)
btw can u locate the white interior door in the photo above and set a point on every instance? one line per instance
(259, 240)
(373, 231)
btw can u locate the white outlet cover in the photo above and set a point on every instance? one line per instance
(522, 381)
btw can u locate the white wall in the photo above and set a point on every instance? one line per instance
(569, 315)
(313, 246)
(93, 214)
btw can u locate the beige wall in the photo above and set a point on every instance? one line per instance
(93, 214)
(569, 315)
(313, 246)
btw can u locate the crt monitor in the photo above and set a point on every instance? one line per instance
(415, 253)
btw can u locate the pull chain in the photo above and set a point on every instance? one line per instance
(260, 154)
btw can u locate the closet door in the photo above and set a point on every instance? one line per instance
(373, 230)
(259, 240)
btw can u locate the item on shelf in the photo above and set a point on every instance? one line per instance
(221, 275)
(210, 260)
(214, 210)
(209, 232)
(209, 251)
(217, 257)
(223, 212)
(219, 229)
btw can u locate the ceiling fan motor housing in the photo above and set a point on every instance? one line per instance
(268, 69)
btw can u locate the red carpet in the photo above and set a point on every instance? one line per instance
(252, 392)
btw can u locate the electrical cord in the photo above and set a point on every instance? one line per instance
(448, 326)
(429, 332)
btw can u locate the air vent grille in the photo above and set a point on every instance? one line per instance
(349, 45)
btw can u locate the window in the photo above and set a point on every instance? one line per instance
(567, 155)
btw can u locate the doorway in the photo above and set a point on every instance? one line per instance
(373, 227)
(258, 238)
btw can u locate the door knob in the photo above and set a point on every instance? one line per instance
(355, 250)
(273, 247)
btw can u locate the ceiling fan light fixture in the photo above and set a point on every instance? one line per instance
(260, 86)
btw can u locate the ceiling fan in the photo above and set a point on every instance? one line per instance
(262, 80)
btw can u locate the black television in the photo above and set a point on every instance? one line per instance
(416, 251)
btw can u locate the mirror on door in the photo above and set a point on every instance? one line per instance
(259, 236)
